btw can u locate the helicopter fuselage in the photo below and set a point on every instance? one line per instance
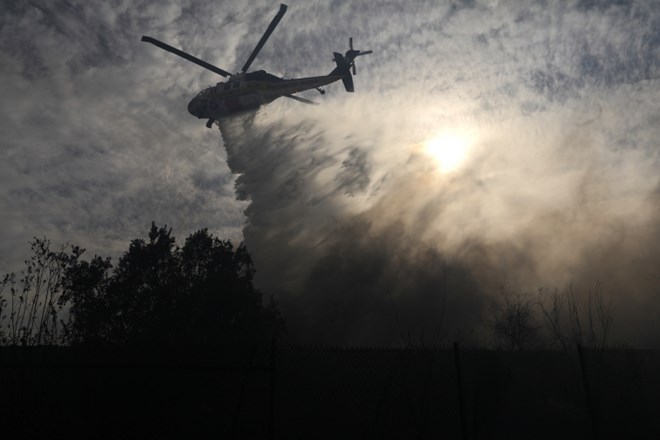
(246, 92)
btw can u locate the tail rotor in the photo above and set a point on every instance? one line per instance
(351, 54)
(350, 44)
(346, 64)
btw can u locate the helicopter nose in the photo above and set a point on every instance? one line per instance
(196, 107)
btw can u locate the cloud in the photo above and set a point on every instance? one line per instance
(96, 139)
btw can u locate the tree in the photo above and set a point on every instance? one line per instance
(162, 295)
(569, 320)
(513, 321)
(552, 320)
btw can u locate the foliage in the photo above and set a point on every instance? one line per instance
(30, 306)
(158, 294)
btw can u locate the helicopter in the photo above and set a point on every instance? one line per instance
(247, 91)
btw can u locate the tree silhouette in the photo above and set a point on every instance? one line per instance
(29, 302)
(513, 321)
(162, 295)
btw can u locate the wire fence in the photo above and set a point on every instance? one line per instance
(624, 388)
(366, 393)
(297, 392)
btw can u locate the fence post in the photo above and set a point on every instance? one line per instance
(461, 405)
(271, 400)
(587, 392)
(239, 404)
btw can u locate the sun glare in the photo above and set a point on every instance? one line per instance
(448, 150)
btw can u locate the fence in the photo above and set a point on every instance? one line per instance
(328, 392)
(623, 391)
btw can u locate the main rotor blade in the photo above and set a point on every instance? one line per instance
(186, 56)
(260, 44)
(303, 100)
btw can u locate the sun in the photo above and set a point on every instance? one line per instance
(449, 149)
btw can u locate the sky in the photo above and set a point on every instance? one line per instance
(489, 144)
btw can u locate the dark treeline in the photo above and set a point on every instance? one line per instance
(157, 294)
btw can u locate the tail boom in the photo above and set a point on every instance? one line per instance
(343, 69)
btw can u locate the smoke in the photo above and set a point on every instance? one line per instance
(397, 214)
(363, 237)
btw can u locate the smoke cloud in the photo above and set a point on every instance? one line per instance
(364, 235)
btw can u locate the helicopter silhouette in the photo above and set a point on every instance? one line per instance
(247, 91)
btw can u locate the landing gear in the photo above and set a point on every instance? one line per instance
(320, 90)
